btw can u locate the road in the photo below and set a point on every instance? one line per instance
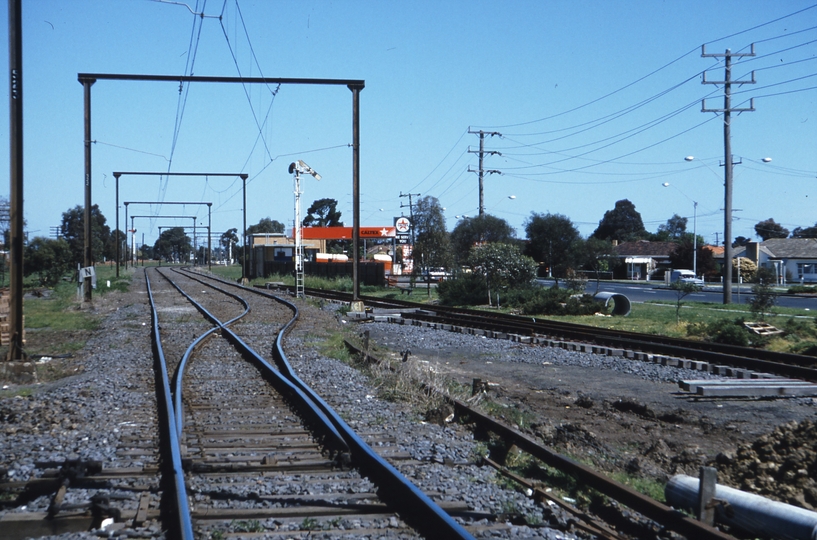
(639, 291)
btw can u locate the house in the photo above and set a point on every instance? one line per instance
(641, 259)
(792, 259)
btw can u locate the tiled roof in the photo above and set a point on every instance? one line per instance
(717, 251)
(792, 248)
(644, 248)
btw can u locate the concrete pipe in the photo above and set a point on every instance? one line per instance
(754, 514)
(621, 304)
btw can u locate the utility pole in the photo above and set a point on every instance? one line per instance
(15, 19)
(481, 172)
(727, 110)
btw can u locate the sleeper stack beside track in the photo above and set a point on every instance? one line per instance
(261, 453)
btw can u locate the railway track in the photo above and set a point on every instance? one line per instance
(235, 443)
(483, 424)
(261, 448)
(746, 358)
(235, 474)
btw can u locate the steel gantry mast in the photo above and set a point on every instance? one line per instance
(354, 85)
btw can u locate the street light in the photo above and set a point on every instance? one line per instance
(299, 168)
(694, 226)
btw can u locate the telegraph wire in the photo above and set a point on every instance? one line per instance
(767, 23)
(640, 79)
(773, 53)
(574, 109)
(772, 85)
(781, 36)
(130, 149)
(464, 133)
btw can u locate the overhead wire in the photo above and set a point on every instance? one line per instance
(246, 91)
(719, 61)
(181, 102)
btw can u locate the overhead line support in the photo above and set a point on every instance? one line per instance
(481, 171)
(354, 85)
(727, 111)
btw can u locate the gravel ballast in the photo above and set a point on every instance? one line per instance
(87, 416)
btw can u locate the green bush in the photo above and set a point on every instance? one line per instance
(808, 348)
(800, 329)
(552, 301)
(464, 290)
(470, 289)
(803, 289)
(583, 305)
(729, 332)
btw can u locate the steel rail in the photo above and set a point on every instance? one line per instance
(182, 523)
(787, 364)
(655, 346)
(643, 504)
(562, 328)
(410, 502)
(647, 506)
(312, 415)
(179, 374)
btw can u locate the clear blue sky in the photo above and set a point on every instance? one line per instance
(595, 101)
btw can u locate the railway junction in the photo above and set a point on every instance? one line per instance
(84, 453)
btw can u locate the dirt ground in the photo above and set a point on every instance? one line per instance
(620, 422)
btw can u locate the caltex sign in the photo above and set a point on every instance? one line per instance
(402, 225)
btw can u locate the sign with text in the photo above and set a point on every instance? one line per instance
(402, 225)
(345, 233)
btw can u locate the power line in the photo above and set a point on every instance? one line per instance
(481, 171)
(727, 111)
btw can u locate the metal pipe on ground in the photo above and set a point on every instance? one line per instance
(752, 513)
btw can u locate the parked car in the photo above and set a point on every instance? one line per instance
(685, 276)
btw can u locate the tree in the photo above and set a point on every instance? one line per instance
(594, 254)
(73, 231)
(229, 241)
(110, 246)
(147, 252)
(765, 297)
(481, 229)
(173, 245)
(682, 289)
(49, 259)
(682, 256)
(674, 229)
(805, 232)
(744, 268)
(741, 241)
(265, 226)
(323, 213)
(622, 223)
(432, 248)
(550, 238)
(502, 265)
(770, 229)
